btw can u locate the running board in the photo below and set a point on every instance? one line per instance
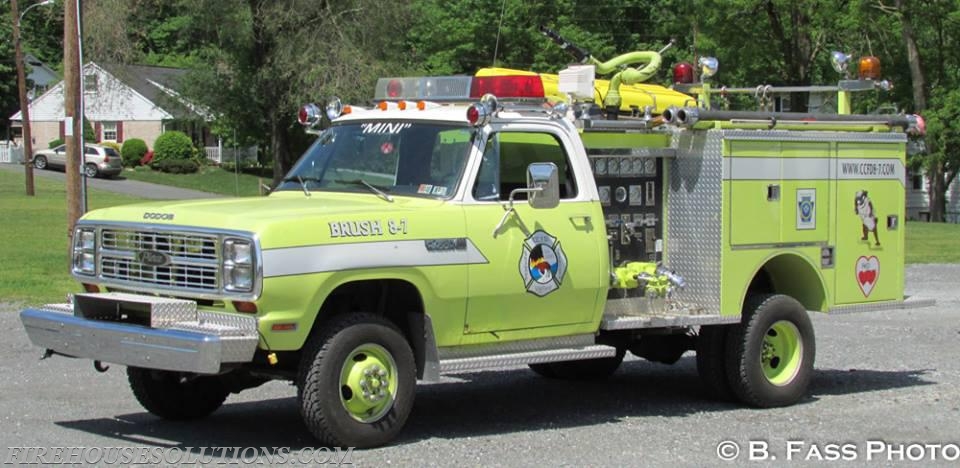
(522, 358)
(633, 322)
(911, 302)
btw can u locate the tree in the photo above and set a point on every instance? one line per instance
(927, 35)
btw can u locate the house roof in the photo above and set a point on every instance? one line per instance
(157, 84)
(40, 73)
(152, 93)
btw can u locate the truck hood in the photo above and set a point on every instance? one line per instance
(291, 218)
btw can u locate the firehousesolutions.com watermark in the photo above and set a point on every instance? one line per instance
(880, 451)
(267, 456)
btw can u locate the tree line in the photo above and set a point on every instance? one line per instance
(255, 61)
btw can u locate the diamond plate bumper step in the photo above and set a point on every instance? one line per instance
(143, 331)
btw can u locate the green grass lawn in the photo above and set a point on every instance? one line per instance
(34, 250)
(33, 239)
(933, 243)
(208, 179)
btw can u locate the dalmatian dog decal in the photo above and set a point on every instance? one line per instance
(864, 209)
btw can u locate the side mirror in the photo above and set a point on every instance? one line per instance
(544, 185)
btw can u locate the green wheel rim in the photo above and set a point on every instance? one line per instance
(782, 353)
(368, 382)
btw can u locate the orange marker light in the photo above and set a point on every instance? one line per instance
(869, 68)
(245, 307)
(347, 110)
(402, 105)
(283, 327)
(421, 105)
(382, 105)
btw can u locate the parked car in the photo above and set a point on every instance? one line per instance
(98, 160)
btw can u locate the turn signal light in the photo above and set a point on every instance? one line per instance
(245, 307)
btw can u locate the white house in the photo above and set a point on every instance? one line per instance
(121, 102)
(918, 199)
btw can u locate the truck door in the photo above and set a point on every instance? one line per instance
(545, 266)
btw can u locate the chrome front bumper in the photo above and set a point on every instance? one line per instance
(178, 337)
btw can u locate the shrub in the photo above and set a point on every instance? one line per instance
(55, 143)
(172, 145)
(132, 150)
(89, 136)
(176, 166)
(111, 144)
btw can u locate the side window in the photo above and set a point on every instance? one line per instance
(505, 160)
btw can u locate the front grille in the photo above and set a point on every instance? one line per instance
(194, 262)
(187, 246)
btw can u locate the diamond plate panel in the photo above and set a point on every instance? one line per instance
(533, 357)
(163, 311)
(790, 135)
(516, 347)
(694, 211)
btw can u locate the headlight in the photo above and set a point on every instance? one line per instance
(238, 278)
(238, 251)
(84, 251)
(238, 265)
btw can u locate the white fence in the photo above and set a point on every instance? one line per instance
(10, 154)
(230, 155)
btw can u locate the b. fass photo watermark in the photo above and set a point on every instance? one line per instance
(869, 451)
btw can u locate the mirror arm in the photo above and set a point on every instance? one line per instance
(509, 206)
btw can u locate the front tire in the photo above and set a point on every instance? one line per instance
(40, 162)
(90, 170)
(357, 381)
(176, 396)
(770, 353)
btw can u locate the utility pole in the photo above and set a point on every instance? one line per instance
(24, 105)
(73, 125)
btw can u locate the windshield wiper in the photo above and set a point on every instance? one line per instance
(302, 182)
(373, 188)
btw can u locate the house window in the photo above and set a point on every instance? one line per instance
(917, 182)
(108, 131)
(90, 83)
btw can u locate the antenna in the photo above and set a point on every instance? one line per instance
(496, 47)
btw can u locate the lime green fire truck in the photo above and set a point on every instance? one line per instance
(470, 223)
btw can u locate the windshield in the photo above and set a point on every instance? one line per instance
(399, 158)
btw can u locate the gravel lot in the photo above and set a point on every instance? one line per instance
(891, 376)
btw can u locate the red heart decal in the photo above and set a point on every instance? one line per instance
(868, 272)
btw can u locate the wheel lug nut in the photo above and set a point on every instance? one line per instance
(383, 372)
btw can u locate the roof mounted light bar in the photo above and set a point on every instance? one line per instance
(459, 88)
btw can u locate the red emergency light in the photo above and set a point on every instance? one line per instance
(513, 86)
(683, 73)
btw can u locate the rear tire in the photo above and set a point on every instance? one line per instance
(175, 396)
(90, 170)
(40, 162)
(357, 381)
(770, 353)
(586, 369)
(711, 362)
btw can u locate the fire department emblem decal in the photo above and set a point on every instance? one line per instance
(542, 263)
